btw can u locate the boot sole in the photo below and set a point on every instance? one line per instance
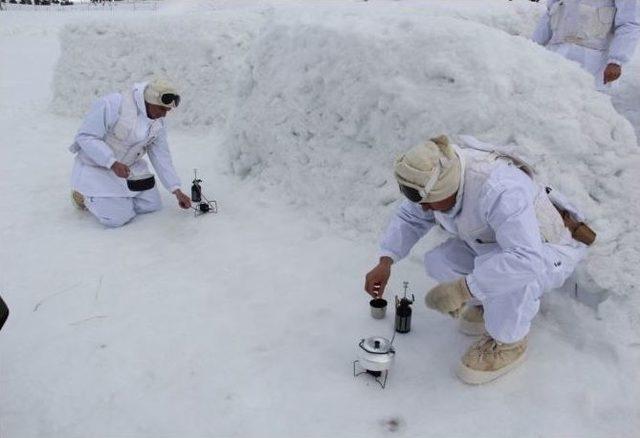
(472, 328)
(78, 201)
(475, 377)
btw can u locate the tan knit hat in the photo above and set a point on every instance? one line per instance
(154, 91)
(432, 168)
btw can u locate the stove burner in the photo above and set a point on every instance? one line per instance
(379, 376)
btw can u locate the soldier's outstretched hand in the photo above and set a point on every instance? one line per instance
(184, 201)
(376, 279)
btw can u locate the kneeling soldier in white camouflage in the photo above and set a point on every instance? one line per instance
(110, 145)
(509, 244)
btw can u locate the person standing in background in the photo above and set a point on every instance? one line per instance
(600, 35)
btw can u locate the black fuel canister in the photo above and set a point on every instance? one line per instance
(196, 192)
(403, 315)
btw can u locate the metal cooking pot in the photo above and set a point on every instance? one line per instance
(378, 307)
(376, 353)
(139, 183)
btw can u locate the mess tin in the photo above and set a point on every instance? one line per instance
(142, 182)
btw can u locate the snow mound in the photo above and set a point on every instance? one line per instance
(200, 55)
(324, 106)
(204, 43)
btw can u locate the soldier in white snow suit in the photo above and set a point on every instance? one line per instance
(601, 35)
(109, 146)
(509, 244)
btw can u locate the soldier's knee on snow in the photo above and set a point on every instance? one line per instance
(148, 207)
(148, 202)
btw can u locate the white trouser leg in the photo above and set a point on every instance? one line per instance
(111, 212)
(147, 201)
(449, 261)
(510, 308)
(116, 211)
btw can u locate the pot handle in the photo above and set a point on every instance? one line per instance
(391, 350)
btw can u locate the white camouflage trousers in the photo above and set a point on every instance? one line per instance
(116, 211)
(507, 316)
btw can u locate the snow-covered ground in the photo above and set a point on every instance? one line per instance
(246, 323)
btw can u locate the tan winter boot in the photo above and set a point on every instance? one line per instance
(472, 321)
(78, 200)
(489, 359)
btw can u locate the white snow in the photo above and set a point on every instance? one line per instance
(246, 323)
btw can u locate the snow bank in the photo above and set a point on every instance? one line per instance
(200, 55)
(201, 44)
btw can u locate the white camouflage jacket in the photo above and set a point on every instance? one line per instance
(503, 215)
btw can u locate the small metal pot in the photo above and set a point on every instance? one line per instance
(140, 183)
(378, 307)
(376, 353)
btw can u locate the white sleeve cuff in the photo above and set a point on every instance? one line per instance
(392, 256)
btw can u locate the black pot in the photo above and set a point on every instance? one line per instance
(140, 183)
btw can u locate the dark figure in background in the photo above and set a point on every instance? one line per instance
(4, 313)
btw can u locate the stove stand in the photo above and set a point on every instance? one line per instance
(378, 376)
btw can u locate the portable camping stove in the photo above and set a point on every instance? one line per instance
(202, 204)
(375, 357)
(379, 376)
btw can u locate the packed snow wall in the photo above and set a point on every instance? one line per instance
(200, 55)
(317, 101)
(204, 48)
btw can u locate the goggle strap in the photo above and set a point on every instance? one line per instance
(432, 181)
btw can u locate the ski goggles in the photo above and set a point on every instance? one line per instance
(411, 194)
(419, 196)
(169, 98)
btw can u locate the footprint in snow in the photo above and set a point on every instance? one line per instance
(393, 424)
